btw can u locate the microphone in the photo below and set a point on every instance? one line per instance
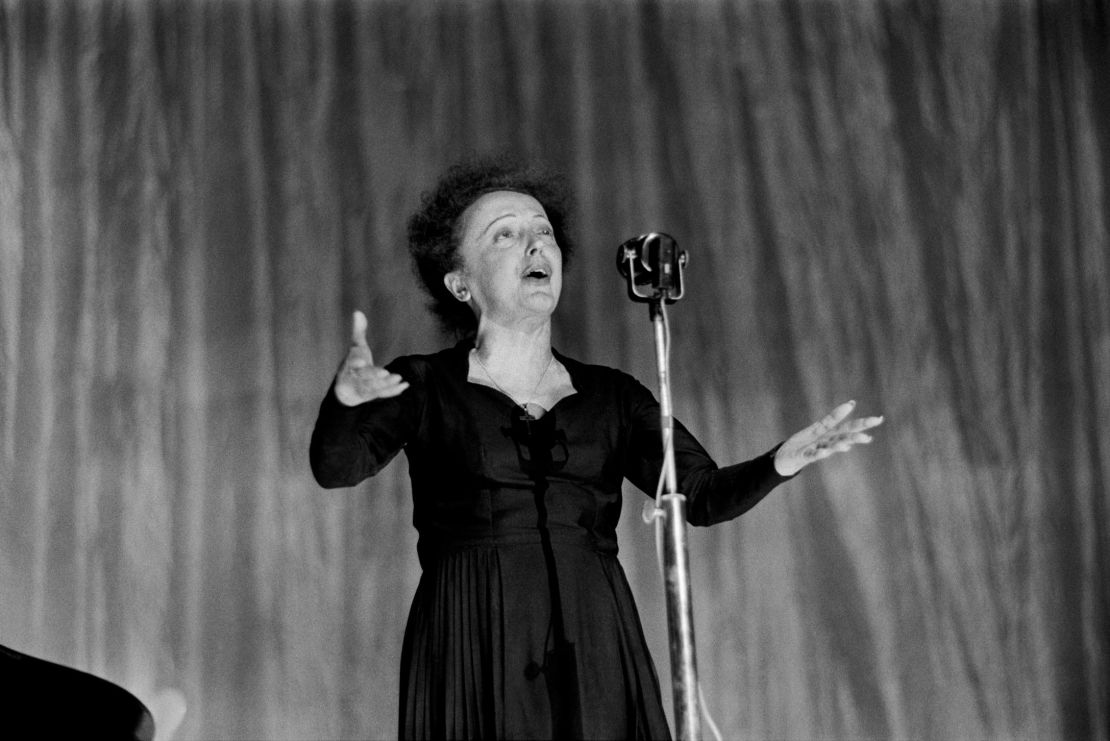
(652, 264)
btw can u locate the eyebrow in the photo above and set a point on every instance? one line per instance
(535, 214)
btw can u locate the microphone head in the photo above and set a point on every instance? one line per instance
(641, 255)
(652, 260)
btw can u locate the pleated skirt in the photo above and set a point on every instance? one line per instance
(527, 641)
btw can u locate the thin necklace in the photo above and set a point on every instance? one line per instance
(489, 375)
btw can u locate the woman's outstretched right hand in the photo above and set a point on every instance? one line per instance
(359, 380)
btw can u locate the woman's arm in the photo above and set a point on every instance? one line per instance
(367, 416)
(718, 494)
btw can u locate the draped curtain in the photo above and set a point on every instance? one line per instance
(899, 202)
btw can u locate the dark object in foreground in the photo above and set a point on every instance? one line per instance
(42, 699)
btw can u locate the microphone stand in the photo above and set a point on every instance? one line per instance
(676, 560)
(657, 255)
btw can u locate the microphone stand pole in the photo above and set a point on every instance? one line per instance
(676, 561)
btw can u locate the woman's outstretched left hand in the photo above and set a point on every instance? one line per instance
(836, 433)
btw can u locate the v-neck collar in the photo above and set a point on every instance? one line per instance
(462, 360)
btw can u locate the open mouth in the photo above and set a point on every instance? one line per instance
(537, 273)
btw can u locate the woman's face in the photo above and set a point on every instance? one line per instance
(511, 264)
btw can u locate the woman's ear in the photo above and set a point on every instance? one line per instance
(457, 286)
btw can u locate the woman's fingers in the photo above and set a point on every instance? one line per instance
(846, 440)
(393, 388)
(359, 325)
(833, 418)
(863, 423)
(837, 422)
(359, 380)
(359, 354)
(356, 386)
(835, 433)
(843, 439)
(373, 378)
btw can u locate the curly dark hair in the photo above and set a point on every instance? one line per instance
(433, 231)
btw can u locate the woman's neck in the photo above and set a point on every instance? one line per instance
(520, 351)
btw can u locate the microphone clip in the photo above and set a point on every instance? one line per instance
(652, 264)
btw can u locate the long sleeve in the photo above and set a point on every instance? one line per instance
(351, 444)
(713, 494)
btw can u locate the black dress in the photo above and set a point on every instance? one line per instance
(523, 624)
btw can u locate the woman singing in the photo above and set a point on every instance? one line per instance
(523, 624)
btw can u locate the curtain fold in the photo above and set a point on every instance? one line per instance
(899, 202)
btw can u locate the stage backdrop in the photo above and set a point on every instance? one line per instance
(903, 203)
